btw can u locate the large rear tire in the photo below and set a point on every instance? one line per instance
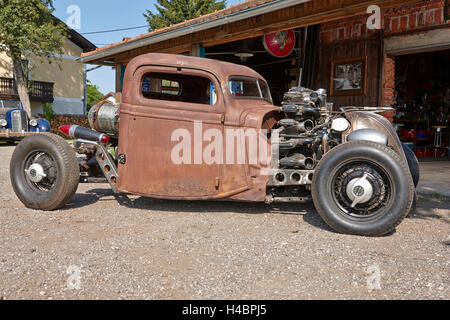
(363, 188)
(44, 172)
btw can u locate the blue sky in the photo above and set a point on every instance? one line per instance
(99, 15)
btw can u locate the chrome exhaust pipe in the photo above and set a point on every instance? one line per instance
(298, 160)
(304, 126)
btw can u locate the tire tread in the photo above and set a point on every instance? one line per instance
(380, 147)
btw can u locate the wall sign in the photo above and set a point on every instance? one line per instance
(348, 77)
(280, 44)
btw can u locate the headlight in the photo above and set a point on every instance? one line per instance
(314, 96)
(340, 124)
(33, 122)
(3, 123)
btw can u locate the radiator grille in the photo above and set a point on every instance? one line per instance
(19, 121)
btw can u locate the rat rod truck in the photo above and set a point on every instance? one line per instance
(187, 132)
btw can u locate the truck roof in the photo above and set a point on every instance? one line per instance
(222, 70)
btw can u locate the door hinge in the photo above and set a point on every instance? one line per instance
(223, 119)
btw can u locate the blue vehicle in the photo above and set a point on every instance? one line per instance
(15, 124)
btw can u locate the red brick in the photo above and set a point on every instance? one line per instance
(439, 16)
(413, 21)
(421, 19)
(430, 17)
(404, 23)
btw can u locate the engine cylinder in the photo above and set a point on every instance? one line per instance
(104, 117)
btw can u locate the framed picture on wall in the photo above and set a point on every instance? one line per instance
(348, 76)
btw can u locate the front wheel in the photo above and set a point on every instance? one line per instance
(362, 188)
(44, 172)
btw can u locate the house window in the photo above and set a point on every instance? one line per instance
(178, 87)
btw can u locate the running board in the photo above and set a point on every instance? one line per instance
(271, 199)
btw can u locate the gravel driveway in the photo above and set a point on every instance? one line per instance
(104, 246)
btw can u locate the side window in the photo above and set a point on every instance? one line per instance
(178, 87)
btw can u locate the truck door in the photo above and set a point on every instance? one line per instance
(165, 116)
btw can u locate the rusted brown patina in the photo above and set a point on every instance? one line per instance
(146, 126)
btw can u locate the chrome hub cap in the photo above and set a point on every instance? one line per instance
(359, 190)
(40, 171)
(35, 173)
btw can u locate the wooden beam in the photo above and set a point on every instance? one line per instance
(309, 13)
(306, 20)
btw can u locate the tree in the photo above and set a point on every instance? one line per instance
(93, 94)
(28, 28)
(176, 11)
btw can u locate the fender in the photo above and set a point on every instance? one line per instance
(368, 135)
(368, 120)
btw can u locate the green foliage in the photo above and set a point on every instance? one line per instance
(176, 11)
(93, 94)
(49, 113)
(28, 26)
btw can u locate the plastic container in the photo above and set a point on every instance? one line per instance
(420, 152)
(422, 134)
(430, 152)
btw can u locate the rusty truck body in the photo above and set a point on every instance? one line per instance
(198, 129)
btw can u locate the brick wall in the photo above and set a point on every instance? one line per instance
(389, 80)
(406, 18)
(414, 16)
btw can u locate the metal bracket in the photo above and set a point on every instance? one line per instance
(109, 168)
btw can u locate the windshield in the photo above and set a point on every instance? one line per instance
(249, 88)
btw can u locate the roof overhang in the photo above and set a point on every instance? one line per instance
(230, 18)
(248, 19)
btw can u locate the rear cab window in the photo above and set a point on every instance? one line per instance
(179, 87)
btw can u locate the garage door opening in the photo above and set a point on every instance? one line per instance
(422, 103)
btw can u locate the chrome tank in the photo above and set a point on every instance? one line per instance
(104, 117)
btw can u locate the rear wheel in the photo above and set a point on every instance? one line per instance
(362, 188)
(44, 172)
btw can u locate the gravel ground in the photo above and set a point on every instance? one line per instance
(127, 247)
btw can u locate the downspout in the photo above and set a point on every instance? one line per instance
(85, 90)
